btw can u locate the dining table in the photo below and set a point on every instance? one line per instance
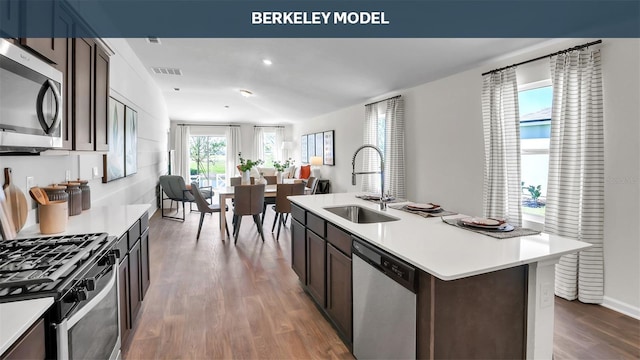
(227, 192)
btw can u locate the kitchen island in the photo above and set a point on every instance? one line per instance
(478, 296)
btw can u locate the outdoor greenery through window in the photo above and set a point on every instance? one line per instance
(535, 129)
(269, 148)
(208, 157)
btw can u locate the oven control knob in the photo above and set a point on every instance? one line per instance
(76, 295)
(89, 284)
(110, 259)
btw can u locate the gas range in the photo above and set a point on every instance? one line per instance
(50, 266)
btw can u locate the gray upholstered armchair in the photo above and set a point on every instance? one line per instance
(175, 189)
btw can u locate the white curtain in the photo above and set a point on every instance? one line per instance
(258, 144)
(394, 148)
(384, 128)
(575, 195)
(183, 137)
(370, 159)
(234, 146)
(501, 122)
(278, 151)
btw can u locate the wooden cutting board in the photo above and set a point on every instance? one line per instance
(16, 201)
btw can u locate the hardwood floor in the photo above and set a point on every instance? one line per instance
(210, 299)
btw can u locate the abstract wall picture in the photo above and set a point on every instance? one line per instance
(131, 141)
(328, 148)
(319, 144)
(114, 160)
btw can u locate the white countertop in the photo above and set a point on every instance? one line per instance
(16, 318)
(442, 250)
(114, 220)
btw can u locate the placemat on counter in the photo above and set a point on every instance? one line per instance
(424, 214)
(368, 198)
(517, 232)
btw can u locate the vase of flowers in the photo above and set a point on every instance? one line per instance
(245, 168)
(281, 167)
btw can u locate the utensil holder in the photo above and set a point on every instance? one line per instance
(53, 217)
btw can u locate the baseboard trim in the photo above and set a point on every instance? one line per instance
(621, 307)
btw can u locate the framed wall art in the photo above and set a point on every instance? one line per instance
(304, 156)
(319, 144)
(327, 155)
(114, 160)
(131, 141)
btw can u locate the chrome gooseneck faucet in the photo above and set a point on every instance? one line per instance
(383, 202)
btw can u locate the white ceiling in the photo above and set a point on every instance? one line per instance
(309, 77)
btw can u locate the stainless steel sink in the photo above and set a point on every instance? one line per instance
(360, 215)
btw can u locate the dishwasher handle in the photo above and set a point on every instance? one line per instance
(394, 268)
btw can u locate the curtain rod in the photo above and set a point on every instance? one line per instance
(268, 126)
(379, 101)
(546, 56)
(208, 125)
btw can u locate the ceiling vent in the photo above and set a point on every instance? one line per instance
(166, 71)
(153, 40)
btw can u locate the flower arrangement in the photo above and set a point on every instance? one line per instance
(247, 164)
(283, 166)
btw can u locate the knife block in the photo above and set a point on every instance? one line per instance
(53, 217)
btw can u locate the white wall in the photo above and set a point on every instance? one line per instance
(131, 84)
(445, 151)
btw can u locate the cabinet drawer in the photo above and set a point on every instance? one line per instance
(316, 224)
(122, 247)
(144, 222)
(339, 238)
(298, 213)
(134, 234)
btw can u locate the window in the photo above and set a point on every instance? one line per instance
(208, 160)
(535, 101)
(269, 139)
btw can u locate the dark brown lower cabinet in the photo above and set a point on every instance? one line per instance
(31, 345)
(316, 267)
(134, 274)
(299, 250)
(135, 300)
(482, 316)
(339, 298)
(145, 279)
(125, 294)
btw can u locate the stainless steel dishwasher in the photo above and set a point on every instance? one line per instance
(384, 305)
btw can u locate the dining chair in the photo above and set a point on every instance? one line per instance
(312, 184)
(249, 200)
(271, 180)
(283, 204)
(175, 189)
(237, 180)
(204, 207)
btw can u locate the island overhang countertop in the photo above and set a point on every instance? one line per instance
(442, 250)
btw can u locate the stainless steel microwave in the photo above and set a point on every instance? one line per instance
(31, 104)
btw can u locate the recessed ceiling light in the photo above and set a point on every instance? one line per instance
(246, 93)
(267, 62)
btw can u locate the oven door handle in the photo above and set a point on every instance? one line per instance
(49, 84)
(95, 301)
(62, 329)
